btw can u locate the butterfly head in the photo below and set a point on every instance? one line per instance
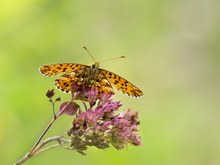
(96, 65)
(94, 68)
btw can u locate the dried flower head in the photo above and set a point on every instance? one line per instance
(50, 93)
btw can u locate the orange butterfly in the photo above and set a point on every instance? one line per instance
(93, 76)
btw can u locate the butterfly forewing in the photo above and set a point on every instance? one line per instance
(55, 69)
(122, 84)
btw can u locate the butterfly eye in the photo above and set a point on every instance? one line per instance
(93, 67)
(93, 70)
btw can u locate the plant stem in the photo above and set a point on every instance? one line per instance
(42, 135)
(35, 149)
(49, 125)
(39, 149)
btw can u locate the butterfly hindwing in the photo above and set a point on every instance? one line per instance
(103, 86)
(65, 82)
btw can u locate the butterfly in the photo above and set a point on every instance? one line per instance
(92, 76)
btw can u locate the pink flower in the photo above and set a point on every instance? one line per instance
(101, 124)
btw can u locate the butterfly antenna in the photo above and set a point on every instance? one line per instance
(89, 53)
(113, 58)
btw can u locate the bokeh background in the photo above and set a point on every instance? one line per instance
(173, 55)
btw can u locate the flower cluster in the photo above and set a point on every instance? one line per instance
(101, 124)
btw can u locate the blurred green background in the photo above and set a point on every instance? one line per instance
(173, 55)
